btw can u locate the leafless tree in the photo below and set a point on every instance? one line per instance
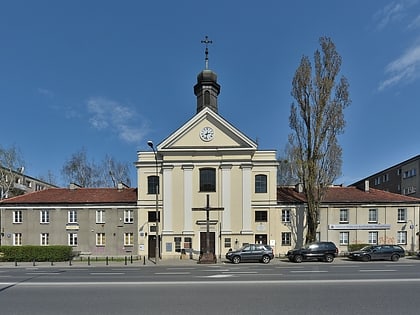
(316, 119)
(11, 165)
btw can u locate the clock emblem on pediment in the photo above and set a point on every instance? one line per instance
(207, 134)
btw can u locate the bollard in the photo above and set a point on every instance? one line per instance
(52, 262)
(125, 260)
(144, 260)
(70, 262)
(88, 260)
(131, 259)
(15, 263)
(33, 262)
(106, 259)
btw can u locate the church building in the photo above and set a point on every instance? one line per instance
(207, 184)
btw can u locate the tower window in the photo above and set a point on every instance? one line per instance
(153, 185)
(260, 183)
(206, 98)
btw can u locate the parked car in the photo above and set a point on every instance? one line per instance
(251, 252)
(378, 252)
(321, 251)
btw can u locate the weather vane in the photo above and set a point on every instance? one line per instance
(207, 42)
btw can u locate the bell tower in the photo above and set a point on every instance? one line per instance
(207, 89)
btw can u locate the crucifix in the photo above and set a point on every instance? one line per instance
(207, 42)
(208, 256)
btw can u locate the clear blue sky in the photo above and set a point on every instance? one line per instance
(109, 75)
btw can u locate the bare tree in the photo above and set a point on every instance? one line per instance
(316, 119)
(11, 165)
(90, 174)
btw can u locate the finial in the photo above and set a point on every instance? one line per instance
(207, 42)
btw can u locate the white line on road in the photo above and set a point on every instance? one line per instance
(106, 273)
(377, 270)
(308, 271)
(172, 273)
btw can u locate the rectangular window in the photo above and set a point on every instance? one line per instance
(100, 216)
(286, 238)
(44, 239)
(72, 216)
(151, 216)
(373, 238)
(17, 239)
(100, 239)
(344, 215)
(17, 216)
(228, 242)
(285, 216)
(402, 237)
(44, 216)
(152, 184)
(402, 215)
(260, 184)
(128, 216)
(177, 241)
(207, 180)
(373, 215)
(344, 238)
(128, 239)
(260, 216)
(72, 239)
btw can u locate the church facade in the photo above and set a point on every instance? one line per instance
(215, 187)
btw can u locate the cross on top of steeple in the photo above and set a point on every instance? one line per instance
(206, 41)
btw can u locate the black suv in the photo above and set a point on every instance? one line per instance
(251, 252)
(321, 251)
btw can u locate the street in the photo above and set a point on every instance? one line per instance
(342, 287)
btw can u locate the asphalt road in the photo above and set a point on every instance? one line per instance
(342, 287)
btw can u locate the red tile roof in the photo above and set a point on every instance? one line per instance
(338, 194)
(75, 196)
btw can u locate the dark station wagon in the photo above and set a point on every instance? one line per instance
(378, 252)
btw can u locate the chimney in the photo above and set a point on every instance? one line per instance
(121, 186)
(299, 188)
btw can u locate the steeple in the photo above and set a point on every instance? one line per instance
(207, 89)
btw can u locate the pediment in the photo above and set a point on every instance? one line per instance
(225, 135)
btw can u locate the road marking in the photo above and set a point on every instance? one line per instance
(42, 273)
(172, 273)
(218, 276)
(377, 270)
(308, 271)
(241, 272)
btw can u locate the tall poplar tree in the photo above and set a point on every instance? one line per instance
(316, 119)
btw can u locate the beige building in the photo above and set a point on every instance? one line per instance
(207, 156)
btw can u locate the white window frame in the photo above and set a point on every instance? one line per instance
(402, 237)
(100, 216)
(373, 218)
(286, 239)
(128, 239)
(344, 215)
(72, 239)
(17, 239)
(44, 216)
(286, 216)
(17, 216)
(402, 215)
(44, 239)
(72, 216)
(128, 216)
(100, 239)
(373, 238)
(344, 238)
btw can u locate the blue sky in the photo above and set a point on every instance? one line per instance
(107, 76)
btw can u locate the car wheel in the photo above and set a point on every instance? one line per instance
(265, 259)
(366, 258)
(236, 260)
(298, 258)
(329, 258)
(395, 257)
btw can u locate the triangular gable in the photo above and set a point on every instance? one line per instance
(226, 136)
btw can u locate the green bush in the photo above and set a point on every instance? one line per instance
(354, 247)
(37, 253)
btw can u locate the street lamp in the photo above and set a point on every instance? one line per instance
(150, 144)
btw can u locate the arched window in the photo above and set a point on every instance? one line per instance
(207, 180)
(153, 185)
(260, 183)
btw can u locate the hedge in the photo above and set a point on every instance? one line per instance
(37, 253)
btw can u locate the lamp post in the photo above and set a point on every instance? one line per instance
(150, 144)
